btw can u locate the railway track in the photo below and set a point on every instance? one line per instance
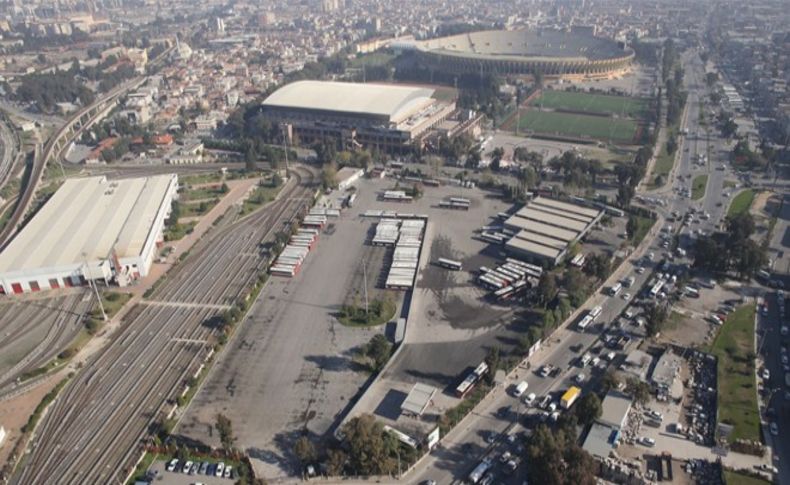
(95, 429)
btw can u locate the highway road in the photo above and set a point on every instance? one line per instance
(463, 448)
(94, 431)
(9, 149)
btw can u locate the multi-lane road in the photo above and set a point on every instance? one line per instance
(462, 449)
(94, 430)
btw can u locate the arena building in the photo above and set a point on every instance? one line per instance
(385, 117)
(574, 54)
(91, 228)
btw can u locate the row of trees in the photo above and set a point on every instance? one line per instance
(731, 250)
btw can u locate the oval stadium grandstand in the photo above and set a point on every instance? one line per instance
(555, 53)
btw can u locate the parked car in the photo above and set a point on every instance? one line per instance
(171, 465)
(649, 442)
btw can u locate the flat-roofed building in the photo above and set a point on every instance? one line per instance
(382, 116)
(91, 228)
(545, 228)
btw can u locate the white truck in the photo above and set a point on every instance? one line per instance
(520, 389)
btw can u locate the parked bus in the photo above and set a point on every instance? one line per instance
(615, 289)
(480, 470)
(595, 312)
(449, 264)
(471, 380)
(585, 322)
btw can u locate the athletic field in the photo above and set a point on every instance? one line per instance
(616, 130)
(623, 106)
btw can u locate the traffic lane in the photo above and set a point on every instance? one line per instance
(771, 342)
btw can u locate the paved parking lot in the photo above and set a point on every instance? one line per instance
(163, 477)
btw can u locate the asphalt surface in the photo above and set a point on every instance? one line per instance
(463, 449)
(93, 432)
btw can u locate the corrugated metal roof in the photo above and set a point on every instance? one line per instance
(578, 209)
(392, 102)
(551, 219)
(558, 212)
(84, 219)
(529, 247)
(564, 235)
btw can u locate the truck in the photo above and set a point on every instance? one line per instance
(520, 388)
(570, 397)
(480, 470)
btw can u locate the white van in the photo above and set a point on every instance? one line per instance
(520, 388)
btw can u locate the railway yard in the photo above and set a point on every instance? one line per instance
(35, 330)
(93, 430)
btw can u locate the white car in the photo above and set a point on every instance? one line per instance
(766, 374)
(220, 469)
(626, 296)
(640, 270)
(649, 442)
(171, 465)
(774, 429)
(530, 399)
(580, 378)
(187, 466)
(784, 330)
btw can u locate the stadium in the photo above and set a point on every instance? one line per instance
(385, 117)
(575, 54)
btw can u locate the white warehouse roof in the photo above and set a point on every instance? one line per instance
(393, 102)
(85, 219)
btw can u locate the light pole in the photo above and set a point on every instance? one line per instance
(93, 287)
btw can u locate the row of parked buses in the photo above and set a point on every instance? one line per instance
(590, 317)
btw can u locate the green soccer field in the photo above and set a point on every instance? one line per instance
(578, 126)
(624, 106)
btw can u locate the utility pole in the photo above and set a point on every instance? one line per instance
(365, 277)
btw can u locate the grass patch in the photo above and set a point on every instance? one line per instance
(593, 103)
(113, 301)
(735, 478)
(5, 216)
(203, 193)
(734, 347)
(202, 178)
(11, 188)
(578, 125)
(259, 197)
(643, 226)
(741, 202)
(664, 162)
(454, 415)
(174, 232)
(53, 171)
(142, 468)
(379, 311)
(698, 186)
(197, 209)
(729, 184)
(373, 59)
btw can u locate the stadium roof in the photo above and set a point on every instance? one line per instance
(85, 219)
(392, 102)
(545, 44)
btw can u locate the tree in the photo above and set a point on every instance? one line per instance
(655, 316)
(224, 427)
(250, 160)
(378, 350)
(711, 78)
(305, 450)
(631, 226)
(436, 164)
(329, 176)
(639, 390)
(496, 157)
(492, 360)
(370, 448)
(588, 409)
(335, 462)
(609, 381)
(547, 287)
(175, 213)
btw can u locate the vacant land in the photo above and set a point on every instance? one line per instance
(698, 186)
(734, 347)
(741, 202)
(664, 163)
(623, 106)
(374, 59)
(578, 126)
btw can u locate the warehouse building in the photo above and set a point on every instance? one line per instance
(389, 118)
(90, 229)
(545, 228)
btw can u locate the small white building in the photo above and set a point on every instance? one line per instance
(91, 228)
(346, 176)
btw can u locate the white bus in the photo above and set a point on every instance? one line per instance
(595, 312)
(585, 322)
(615, 289)
(449, 264)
